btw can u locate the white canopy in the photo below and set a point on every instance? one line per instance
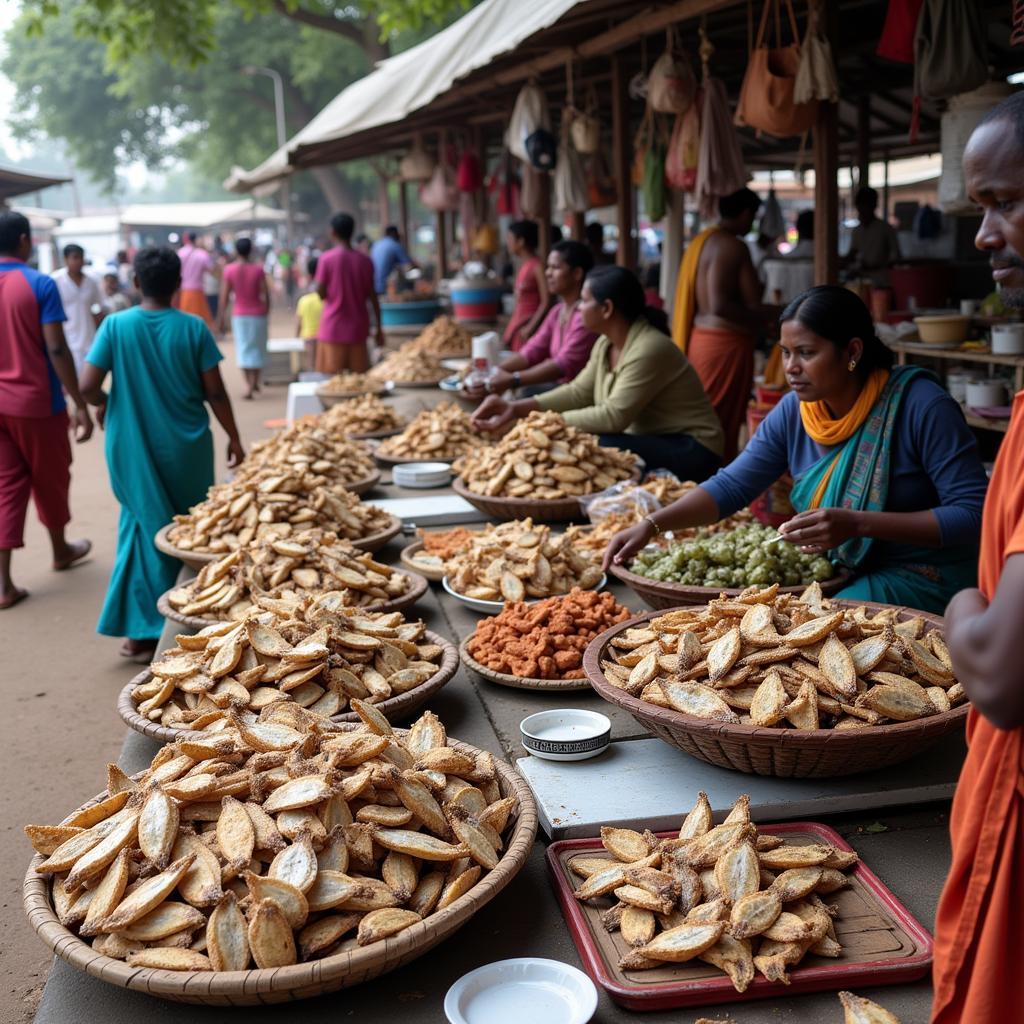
(409, 81)
(199, 215)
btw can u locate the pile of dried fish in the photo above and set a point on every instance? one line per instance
(310, 445)
(273, 503)
(318, 654)
(444, 338)
(742, 901)
(444, 432)
(288, 841)
(543, 457)
(518, 560)
(351, 384)
(366, 414)
(409, 366)
(770, 659)
(287, 571)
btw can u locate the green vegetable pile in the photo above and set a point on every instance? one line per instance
(736, 558)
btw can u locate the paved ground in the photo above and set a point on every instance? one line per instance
(64, 680)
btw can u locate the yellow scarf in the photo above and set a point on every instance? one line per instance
(824, 430)
(685, 306)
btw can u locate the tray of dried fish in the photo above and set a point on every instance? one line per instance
(317, 654)
(351, 385)
(305, 564)
(441, 434)
(728, 913)
(773, 684)
(363, 418)
(409, 368)
(444, 337)
(280, 862)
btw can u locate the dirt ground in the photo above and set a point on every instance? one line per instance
(62, 679)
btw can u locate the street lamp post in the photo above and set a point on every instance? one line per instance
(286, 198)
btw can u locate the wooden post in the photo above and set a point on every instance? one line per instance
(544, 217)
(863, 141)
(579, 227)
(442, 244)
(826, 195)
(403, 212)
(885, 189)
(621, 160)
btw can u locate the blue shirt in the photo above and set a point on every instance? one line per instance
(386, 253)
(934, 464)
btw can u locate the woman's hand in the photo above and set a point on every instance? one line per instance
(626, 543)
(494, 413)
(499, 382)
(821, 529)
(235, 452)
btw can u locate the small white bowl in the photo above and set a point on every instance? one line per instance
(422, 474)
(527, 990)
(458, 364)
(566, 734)
(494, 607)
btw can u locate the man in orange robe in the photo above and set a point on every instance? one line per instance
(718, 312)
(979, 963)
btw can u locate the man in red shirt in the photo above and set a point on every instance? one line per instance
(35, 454)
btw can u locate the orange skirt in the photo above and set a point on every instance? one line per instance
(332, 357)
(724, 361)
(192, 300)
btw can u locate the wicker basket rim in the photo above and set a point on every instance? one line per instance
(517, 682)
(592, 657)
(81, 955)
(460, 488)
(395, 706)
(406, 558)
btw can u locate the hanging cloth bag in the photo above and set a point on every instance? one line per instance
(469, 176)
(671, 86)
(897, 42)
(530, 114)
(720, 166)
(652, 167)
(601, 187)
(586, 128)
(684, 150)
(417, 164)
(766, 97)
(440, 193)
(816, 77)
(570, 181)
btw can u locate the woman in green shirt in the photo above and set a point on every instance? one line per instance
(637, 391)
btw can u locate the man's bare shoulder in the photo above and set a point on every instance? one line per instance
(722, 245)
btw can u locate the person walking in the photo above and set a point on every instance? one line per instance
(344, 280)
(246, 282)
(35, 452)
(195, 263)
(308, 311)
(82, 300)
(163, 365)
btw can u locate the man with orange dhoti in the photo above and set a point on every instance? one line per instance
(717, 314)
(979, 967)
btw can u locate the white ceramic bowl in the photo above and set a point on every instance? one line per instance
(527, 990)
(494, 607)
(422, 474)
(566, 734)
(456, 364)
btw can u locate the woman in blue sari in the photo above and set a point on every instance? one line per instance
(159, 448)
(887, 475)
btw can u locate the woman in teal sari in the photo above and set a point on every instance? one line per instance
(159, 448)
(886, 470)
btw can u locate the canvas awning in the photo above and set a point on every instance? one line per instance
(199, 215)
(18, 183)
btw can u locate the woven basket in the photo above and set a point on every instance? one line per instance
(561, 510)
(301, 981)
(518, 682)
(366, 484)
(394, 708)
(401, 460)
(375, 541)
(327, 400)
(418, 586)
(783, 753)
(406, 558)
(193, 559)
(672, 595)
(376, 435)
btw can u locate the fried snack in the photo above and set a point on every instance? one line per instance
(276, 858)
(351, 384)
(318, 654)
(441, 547)
(858, 1010)
(273, 503)
(517, 560)
(366, 414)
(444, 432)
(309, 444)
(545, 640)
(443, 338)
(304, 565)
(411, 366)
(543, 457)
(713, 896)
(776, 660)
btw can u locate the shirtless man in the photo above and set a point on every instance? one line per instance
(719, 311)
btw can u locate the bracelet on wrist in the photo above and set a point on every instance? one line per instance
(654, 525)
(517, 379)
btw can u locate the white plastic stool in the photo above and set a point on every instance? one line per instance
(284, 360)
(303, 401)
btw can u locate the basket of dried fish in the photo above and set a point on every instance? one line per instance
(280, 873)
(319, 656)
(773, 684)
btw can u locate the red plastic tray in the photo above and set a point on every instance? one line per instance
(700, 984)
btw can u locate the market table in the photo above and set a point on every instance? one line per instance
(911, 856)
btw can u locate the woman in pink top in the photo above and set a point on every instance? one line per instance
(531, 288)
(344, 280)
(248, 284)
(195, 261)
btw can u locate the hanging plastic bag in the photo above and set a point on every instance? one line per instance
(417, 164)
(469, 176)
(897, 42)
(485, 240)
(586, 128)
(671, 86)
(766, 96)
(601, 187)
(653, 183)
(530, 114)
(440, 193)
(816, 77)
(570, 181)
(720, 166)
(683, 151)
(772, 223)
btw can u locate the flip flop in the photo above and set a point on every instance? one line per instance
(139, 657)
(10, 602)
(69, 563)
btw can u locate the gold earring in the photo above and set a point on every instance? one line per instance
(852, 365)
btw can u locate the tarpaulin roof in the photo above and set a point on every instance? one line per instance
(15, 182)
(198, 215)
(410, 80)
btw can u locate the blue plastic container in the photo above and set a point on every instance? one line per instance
(405, 314)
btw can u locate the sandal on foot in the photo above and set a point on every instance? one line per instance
(16, 597)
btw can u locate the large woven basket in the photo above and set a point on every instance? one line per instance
(561, 510)
(366, 484)
(301, 981)
(401, 460)
(407, 558)
(518, 682)
(418, 586)
(783, 753)
(394, 708)
(376, 435)
(672, 595)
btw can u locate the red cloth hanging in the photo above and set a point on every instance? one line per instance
(897, 42)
